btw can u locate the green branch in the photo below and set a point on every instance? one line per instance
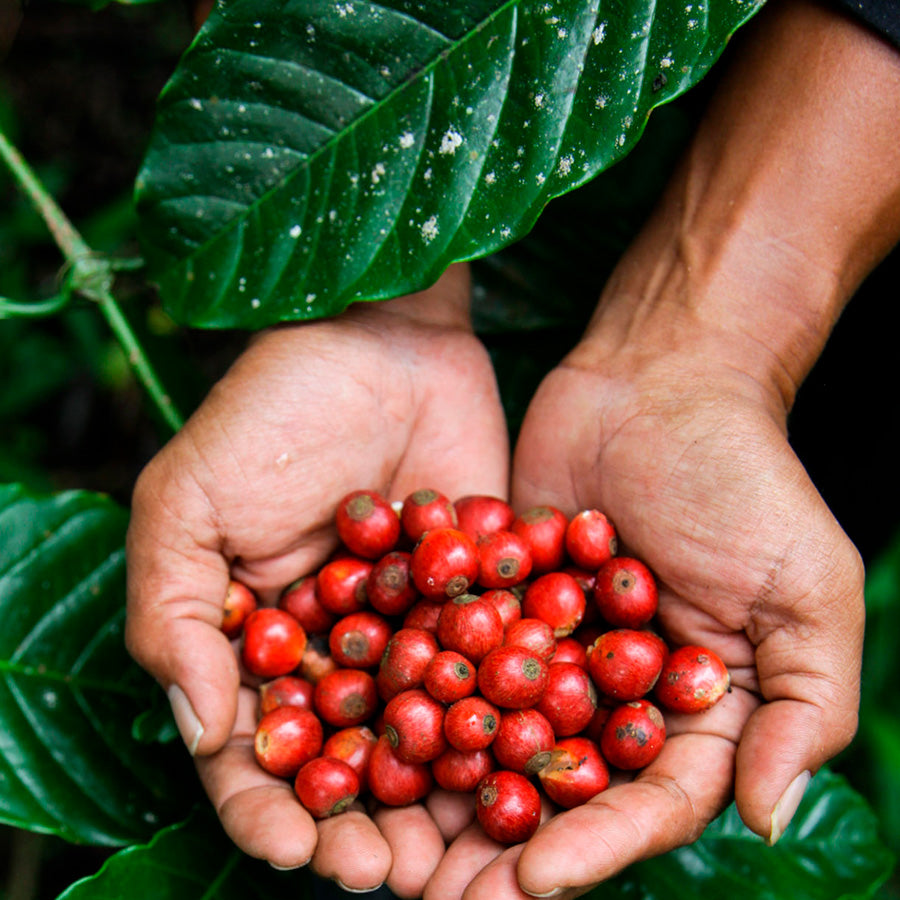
(88, 274)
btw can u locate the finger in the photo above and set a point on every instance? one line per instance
(258, 811)
(352, 852)
(451, 811)
(668, 805)
(809, 671)
(470, 855)
(416, 847)
(177, 580)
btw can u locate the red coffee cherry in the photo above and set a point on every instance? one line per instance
(524, 741)
(569, 700)
(389, 587)
(533, 634)
(576, 772)
(358, 641)
(471, 724)
(692, 680)
(512, 677)
(367, 524)
(479, 515)
(414, 724)
(404, 661)
(287, 690)
(326, 786)
(558, 599)
(508, 807)
(299, 600)
(633, 735)
(506, 603)
(239, 603)
(425, 509)
(625, 664)
(287, 738)
(625, 592)
(353, 746)
(590, 539)
(346, 697)
(449, 677)
(469, 626)
(273, 643)
(544, 530)
(504, 560)
(458, 770)
(444, 563)
(393, 781)
(341, 585)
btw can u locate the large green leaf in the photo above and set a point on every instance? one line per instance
(187, 861)
(831, 849)
(68, 690)
(309, 153)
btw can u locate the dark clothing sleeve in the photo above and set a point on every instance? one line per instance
(881, 15)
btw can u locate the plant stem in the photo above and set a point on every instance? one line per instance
(97, 274)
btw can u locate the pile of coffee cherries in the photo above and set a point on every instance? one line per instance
(460, 644)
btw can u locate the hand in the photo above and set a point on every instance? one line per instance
(392, 396)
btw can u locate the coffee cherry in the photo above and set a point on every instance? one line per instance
(590, 539)
(341, 585)
(359, 640)
(558, 600)
(569, 700)
(459, 770)
(544, 530)
(273, 643)
(532, 634)
(692, 680)
(353, 746)
(287, 690)
(575, 773)
(504, 560)
(404, 661)
(512, 677)
(414, 724)
(449, 677)
(239, 603)
(286, 738)
(508, 807)
(625, 592)
(299, 600)
(471, 724)
(393, 781)
(506, 603)
(469, 626)
(426, 509)
(523, 741)
(479, 515)
(345, 697)
(626, 664)
(633, 735)
(326, 786)
(444, 563)
(367, 524)
(389, 587)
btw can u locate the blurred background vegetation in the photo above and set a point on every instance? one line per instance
(77, 92)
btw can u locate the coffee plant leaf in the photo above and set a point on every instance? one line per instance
(309, 155)
(186, 861)
(831, 849)
(69, 692)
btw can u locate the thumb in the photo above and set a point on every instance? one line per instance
(177, 581)
(809, 671)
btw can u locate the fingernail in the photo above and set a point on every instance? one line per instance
(352, 890)
(555, 892)
(787, 806)
(189, 726)
(289, 868)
